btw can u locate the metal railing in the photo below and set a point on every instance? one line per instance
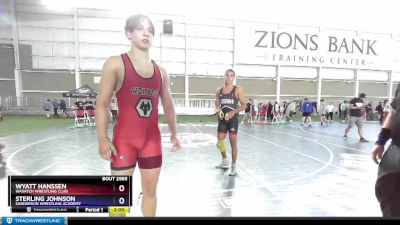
(34, 105)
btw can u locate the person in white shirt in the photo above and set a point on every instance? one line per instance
(329, 111)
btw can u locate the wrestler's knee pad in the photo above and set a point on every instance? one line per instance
(221, 145)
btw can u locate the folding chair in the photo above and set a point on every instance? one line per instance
(254, 116)
(276, 116)
(80, 118)
(90, 117)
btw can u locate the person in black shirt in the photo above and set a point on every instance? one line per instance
(79, 105)
(379, 109)
(55, 108)
(355, 116)
(80, 109)
(388, 179)
(63, 107)
(89, 104)
(226, 104)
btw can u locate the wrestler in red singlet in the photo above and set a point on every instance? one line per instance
(136, 133)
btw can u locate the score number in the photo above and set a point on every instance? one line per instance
(121, 200)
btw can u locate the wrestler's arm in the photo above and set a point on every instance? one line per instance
(107, 86)
(169, 109)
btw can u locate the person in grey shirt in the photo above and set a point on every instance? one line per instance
(355, 116)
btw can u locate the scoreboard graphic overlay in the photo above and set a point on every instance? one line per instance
(58, 194)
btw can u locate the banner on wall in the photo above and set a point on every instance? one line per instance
(266, 44)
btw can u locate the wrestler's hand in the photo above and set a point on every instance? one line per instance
(106, 148)
(221, 115)
(229, 115)
(176, 143)
(377, 153)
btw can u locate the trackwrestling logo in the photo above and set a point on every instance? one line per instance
(33, 220)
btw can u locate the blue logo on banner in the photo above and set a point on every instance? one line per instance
(32, 220)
